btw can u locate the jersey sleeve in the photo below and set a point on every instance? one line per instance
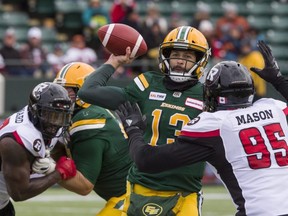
(87, 146)
(31, 141)
(154, 159)
(281, 85)
(88, 155)
(95, 90)
(276, 103)
(204, 125)
(137, 91)
(282, 106)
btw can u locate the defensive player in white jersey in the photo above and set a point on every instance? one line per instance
(246, 143)
(27, 135)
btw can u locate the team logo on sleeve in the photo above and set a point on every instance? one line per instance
(194, 121)
(37, 145)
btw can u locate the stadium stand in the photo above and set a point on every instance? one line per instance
(42, 8)
(268, 16)
(14, 18)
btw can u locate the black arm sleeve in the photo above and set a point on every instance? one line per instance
(95, 91)
(281, 85)
(153, 159)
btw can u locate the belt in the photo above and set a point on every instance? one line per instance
(139, 189)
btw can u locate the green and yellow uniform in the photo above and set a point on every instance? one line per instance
(100, 150)
(166, 112)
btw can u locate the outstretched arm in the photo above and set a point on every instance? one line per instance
(153, 159)
(94, 89)
(271, 72)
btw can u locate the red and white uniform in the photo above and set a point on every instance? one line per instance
(252, 154)
(248, 149)
(19, 127)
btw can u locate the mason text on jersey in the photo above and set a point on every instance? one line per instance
(256, 116)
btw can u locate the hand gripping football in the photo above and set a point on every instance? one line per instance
(117, 37)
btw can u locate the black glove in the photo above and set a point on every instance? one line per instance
(271, 71)
(131, 117)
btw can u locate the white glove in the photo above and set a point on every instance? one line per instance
(47, 153)
(44, 165)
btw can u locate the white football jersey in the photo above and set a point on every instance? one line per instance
(251, 154)
(21, 128)
(24, 132)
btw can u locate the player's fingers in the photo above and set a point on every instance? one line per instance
(122, 109)
(266, 52)
(120, 114)
(128, 107)
(266, 48)
(128, 51)
(255, 70)
(136, 108)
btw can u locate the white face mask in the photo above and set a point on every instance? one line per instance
(177, 78)
(182, 77)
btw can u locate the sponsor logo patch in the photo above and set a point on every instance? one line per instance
(157, 96)
(152, 209)
(191, 102)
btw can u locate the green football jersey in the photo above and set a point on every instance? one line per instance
(167, 112)
(100, 150)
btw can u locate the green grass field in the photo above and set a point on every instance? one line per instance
(60, 202)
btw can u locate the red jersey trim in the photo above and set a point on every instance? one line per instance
(17, 137)
(201, 134)
(285, 111)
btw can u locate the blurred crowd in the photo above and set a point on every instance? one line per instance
(231, 37)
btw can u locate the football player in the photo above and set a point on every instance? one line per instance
(98, 145)
(25, 136)
(169, 99)
(246, 143)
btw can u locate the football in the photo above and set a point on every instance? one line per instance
(117, 37)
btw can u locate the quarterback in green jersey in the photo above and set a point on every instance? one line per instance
(98, 145)
(168, 100)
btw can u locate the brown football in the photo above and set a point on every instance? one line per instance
(117, 37)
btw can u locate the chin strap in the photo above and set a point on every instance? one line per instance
(175, 86)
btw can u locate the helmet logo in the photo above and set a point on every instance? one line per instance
(152, 209)
(37, 145)
(39, 89)
(211, 76)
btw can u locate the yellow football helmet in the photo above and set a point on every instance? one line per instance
(73, 75)
(185, 38)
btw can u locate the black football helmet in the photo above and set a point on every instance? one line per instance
(228, 85)
(50, 109)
